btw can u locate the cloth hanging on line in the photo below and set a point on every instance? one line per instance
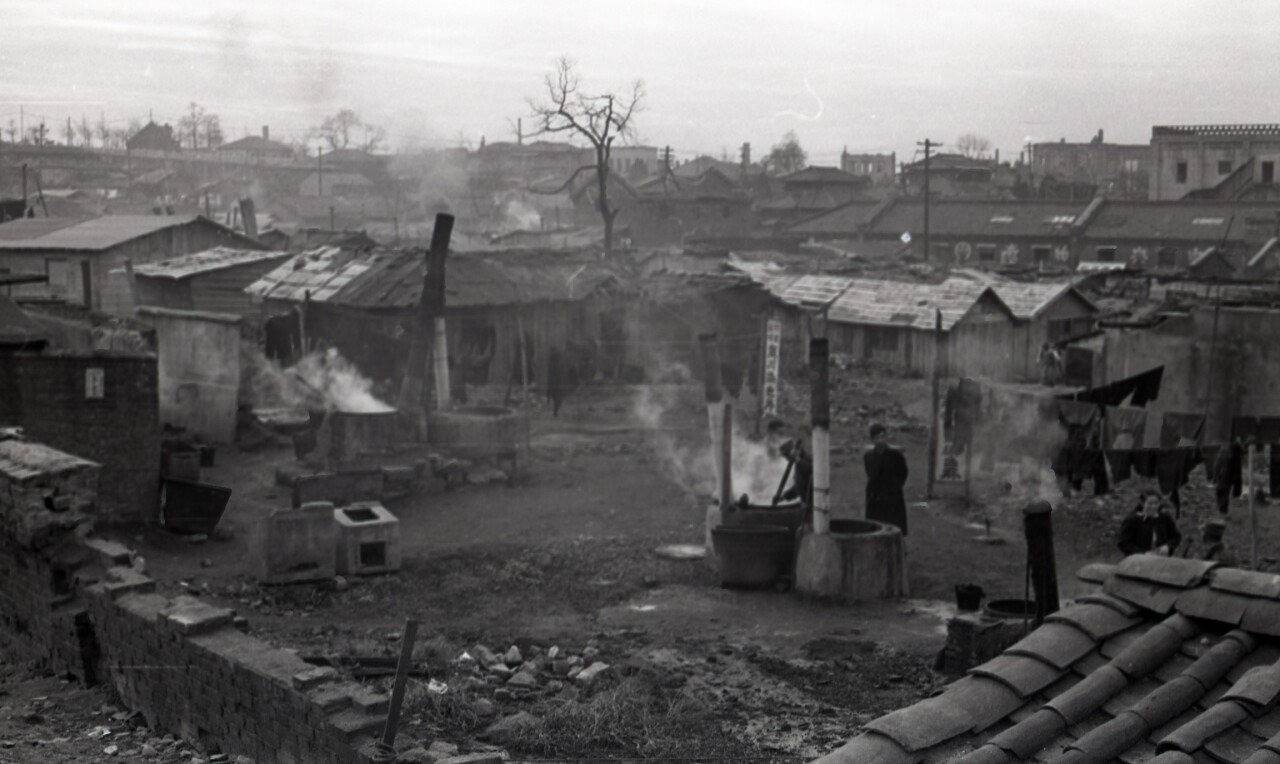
(1139, 390)
(1125, 427)
(1178, 428)
(1262, 429)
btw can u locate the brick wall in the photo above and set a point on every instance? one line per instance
(120, 430)
(83, 606)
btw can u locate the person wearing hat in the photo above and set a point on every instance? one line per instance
(886, 475)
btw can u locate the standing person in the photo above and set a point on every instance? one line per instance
(886, 475)
(779, 440)
(1227, 476)
(1050, 365)
(1149, 528)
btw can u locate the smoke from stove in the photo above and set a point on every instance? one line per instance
(663, 408)
(322, 379)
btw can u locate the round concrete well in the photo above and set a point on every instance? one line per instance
(872, 556)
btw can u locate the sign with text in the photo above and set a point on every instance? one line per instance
(94, 383)
(772, 365)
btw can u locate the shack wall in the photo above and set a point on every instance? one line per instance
(199, 371)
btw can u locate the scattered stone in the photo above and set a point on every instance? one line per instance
(588, 675)
(111, 750)
(561, 666)
(205, 562)
(484, 707)
(574, 672)
(500, 670)
(417, 755)
(148, 750)
(590, 654)
(340, 584)
(443, 749)
(503, 694)
(510, 729)
(484, 655)
(555, 685)
(513, 656)
(554, 652)
(486, 757)
(523, 678)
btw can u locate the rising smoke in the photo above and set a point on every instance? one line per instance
(1023, 436)
(663, 408)
(322, 379)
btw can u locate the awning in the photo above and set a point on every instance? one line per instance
(1137, 390)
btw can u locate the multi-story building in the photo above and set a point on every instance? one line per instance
(1115, 169)
(1222, 161)
(880, 168)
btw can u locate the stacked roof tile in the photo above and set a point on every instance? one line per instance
(1174, 661)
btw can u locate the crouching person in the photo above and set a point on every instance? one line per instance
(1149, 528)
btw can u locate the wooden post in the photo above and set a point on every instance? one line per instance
(524, 356)
(715, 404)
(1253, 517)
(386, 746)
(302, 320)
(726, 461)
(820, 418)
(935, 428)
(430, 305)
(133, 282)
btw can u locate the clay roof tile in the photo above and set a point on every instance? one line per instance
(1154, 647)
(1089, 694)
(1265, 726)
(1211, 667)
(1191, 736)
(985, 700)
(1109, 740)
(1259, 687)
(1172, 571)
(987, 754)
(1025, 739)
(1263, 756)
(1233, 745)
(1165, 702)
(1203, 602)
(1155, 597)
(1250, 582)
(924, 724)
(869, 748)
(1058, 643)
(1121, 606)
(1097, 620)
(1173, 757)
(1262, 617)
(1024, 674)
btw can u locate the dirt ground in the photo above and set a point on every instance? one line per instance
(564, 559)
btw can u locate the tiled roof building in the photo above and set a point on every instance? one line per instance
(1172, 660)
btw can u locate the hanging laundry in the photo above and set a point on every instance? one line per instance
(1273, 468)
(1139, 390)
(1126, 427)
(1260, 429)
(1177, 427)
(1121, 461)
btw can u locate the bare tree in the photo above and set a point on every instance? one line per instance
(69, 133)
(787, 156)
(374, 137)
(189, 125)
(211, 126)
(102, 130)
(601, 118)
(336, 130)
(12, 132)
(973, 145)
(86, 131)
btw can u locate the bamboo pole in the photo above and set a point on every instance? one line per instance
(386, 746)
(1253, 517)
(820, 418)
(935, 429)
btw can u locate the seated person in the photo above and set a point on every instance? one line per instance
(1149, 528)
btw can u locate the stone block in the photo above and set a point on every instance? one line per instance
(192, 616)
(297, 544)
(367, 539)
(304, 680)
(111, 553)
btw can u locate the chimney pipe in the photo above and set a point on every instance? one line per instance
(249, 218)
(746, 155)
(266, 133)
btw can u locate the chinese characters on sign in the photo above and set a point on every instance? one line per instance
(772, 362)
(94, 382)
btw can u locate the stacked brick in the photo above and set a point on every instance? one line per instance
(117, 424)
(82, 606)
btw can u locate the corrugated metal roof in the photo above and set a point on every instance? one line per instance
(207, 261)
(392, 279)
(1026, 300)
(95, 234)
(33, 228)
(901, 303)
(815, 290)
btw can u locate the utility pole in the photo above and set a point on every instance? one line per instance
(319, 171)
(22, 124)
(935, 422)
(928, 147)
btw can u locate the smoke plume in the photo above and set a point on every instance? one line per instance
(322, 379)
(663, 408)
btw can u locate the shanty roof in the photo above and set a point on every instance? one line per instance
(816, 174)
(93, 235)
(993, 218)
(392, 279)
(905, 304)
(815, 290)
(1026, 300)
(16, 327)
(1198, 220)
(848, 218)
(1175, 660)
(207, 261)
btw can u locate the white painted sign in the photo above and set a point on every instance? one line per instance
(94, 383)
(772, 365)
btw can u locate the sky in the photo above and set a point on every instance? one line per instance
(869, 75)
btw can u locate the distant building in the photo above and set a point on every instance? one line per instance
(153, 137)
(810, 191)
(336, 184)
(1222, 161)
(260, 146)
(958, 176)
(880, 168)
(79, 256)
(1116, 169)
(634, 162)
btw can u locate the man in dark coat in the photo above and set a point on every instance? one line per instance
(886, 475)
(1149, 528)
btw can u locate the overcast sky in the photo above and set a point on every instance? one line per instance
(873, 75)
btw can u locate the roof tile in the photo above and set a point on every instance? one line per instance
(1211, 667)
(869, 748)
(1173, 668)
(1055, 748)
(1106, 742)
(1095, 572)
(926, 723)
(1025, 675)
(1057, 643)
(1259, 687)
(1130, 696)
(1121, 606)
(1264, 655)
(1173, 757)
(1141, 751)
(1265, 726)
(1250, 582)
(1203, 602)
(1089, 694)
(1263, 756)
(1165, 702)
(1166, 729)
(1212, 722)
(1097, 620)
(1153, 648)
(1089, 663)
(987, 754)
(1262, 617)
(1155, 597)
(1172, 571)
(1025, 739)
(1232, 745)
(985, 700)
